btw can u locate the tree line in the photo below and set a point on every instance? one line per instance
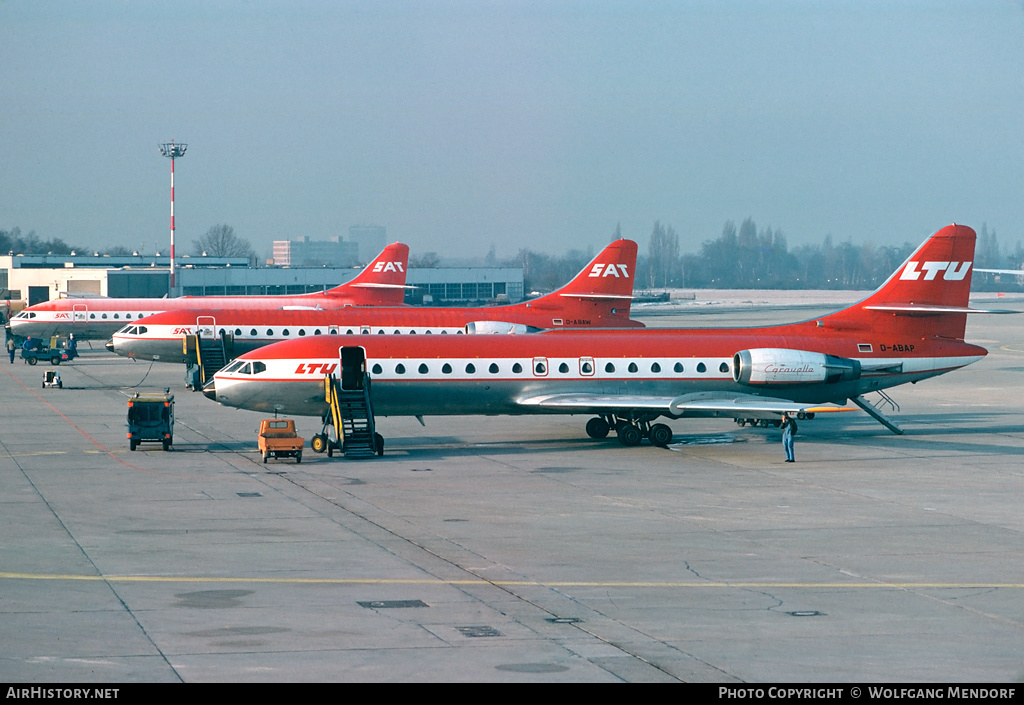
(741, 257)
(748, 257)
(219, 241)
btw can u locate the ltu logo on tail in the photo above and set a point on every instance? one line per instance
(388, 267)
(951, 271)
(609, 270)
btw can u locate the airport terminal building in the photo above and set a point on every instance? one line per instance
(38, 278)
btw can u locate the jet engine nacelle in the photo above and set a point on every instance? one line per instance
(770, 366)
(497, 328)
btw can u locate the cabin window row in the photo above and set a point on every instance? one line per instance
(117, 316)
(318, 331)
(540, 368)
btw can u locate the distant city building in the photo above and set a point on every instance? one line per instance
(370, 238)
(316, 253)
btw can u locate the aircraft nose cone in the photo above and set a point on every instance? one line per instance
(210, 390)
(110, 345)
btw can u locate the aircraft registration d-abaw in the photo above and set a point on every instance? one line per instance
(598, 297)
(910, 329)
(380, 283)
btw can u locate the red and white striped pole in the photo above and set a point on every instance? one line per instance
(172, 150)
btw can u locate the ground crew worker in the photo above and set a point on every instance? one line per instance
(11, 348)
(788, 431)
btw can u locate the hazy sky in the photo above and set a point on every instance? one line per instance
(462, 125)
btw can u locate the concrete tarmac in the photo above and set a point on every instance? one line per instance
(514, 549)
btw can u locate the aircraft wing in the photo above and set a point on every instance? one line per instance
(701, 403)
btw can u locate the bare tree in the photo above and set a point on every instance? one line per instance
(428, 260)
(221, 241)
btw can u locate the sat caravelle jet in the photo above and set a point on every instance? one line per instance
(910, 329)
(380, 283)
(599, 296)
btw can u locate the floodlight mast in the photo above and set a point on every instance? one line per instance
(172, 150)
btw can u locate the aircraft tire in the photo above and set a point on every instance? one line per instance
(660, 435)
(597, 428)
(629, 435)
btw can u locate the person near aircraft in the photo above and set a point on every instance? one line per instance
(788, 431)
(11, 348)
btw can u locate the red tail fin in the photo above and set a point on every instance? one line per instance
(382, 281)
(926, 296)
(600, 294)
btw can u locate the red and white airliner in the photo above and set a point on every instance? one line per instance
(380, 283)
(910, 329)
(598, 297)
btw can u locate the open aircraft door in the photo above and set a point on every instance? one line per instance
(353, 368)
(206, 327)
(79, 315)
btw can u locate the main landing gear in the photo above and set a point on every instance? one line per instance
(630, 431)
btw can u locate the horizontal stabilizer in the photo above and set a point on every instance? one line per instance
(597, 295)
(1015, 272)
(923, 309)
(375, 285)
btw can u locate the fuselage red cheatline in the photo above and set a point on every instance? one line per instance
(910, 329)
(380, 283)
(598, 297)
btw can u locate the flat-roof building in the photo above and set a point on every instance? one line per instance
(39, 278)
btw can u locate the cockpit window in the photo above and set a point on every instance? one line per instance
(234, 365)
(258, 367)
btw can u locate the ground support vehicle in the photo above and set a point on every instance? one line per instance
(59, 350)
(51, 378)
(151, 420)
(278, 439)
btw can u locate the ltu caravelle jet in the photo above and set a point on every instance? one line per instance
(380, 283)
(598, 297)
(910, 329)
